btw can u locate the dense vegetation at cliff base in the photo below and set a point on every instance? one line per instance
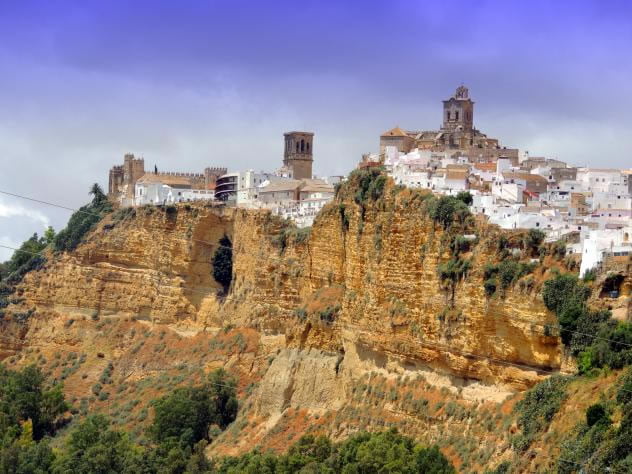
(184, 423)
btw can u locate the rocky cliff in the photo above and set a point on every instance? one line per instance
(343, 327)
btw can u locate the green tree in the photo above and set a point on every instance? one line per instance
(25, 259)
(49, 235)
(98, 196)
(446, 208)
(465, 197)
(23, 397)
(93, 448)
(186, 414)
(82, 221)
(432, 461)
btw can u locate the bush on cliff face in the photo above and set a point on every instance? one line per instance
(83, 220)
(451, 272)
(592, 336)
(537, 409)
(533, 240)
(446, 209)
(223, 263)
(504, 275)
(27, 258)
(364, 186)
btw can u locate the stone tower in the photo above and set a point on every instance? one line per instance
(133, 170)
(458, 111)
(298, 155)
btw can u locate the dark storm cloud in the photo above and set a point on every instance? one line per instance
(192, 83)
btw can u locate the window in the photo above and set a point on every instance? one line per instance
(448, 115)
(302, 146)
(457, 115)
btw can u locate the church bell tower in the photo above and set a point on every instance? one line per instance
(458, 111)
(298, 155)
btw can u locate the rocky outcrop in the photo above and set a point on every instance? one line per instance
(359, 295)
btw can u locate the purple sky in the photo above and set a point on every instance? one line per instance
(194, 83)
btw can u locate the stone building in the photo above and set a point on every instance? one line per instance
(123, 178)
(457, 134)
(298, 156)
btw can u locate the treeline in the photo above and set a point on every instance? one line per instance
(184, 423)
(30, 256)
(386, 452)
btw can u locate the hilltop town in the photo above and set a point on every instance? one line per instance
(588, 209)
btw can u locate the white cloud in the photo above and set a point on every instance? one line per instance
(8, 210)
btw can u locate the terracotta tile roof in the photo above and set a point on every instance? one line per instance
(170, 180)
(490, 166)
(281, 186)
(395, 132)
(528, 177)
(456, 174)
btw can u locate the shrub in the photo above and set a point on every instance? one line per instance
(453, 271)
(328, 315)
(564, 291)
(538, 407)
(82, 221)
(533, 240)
(559, 249)
(223, 263)
(460, 244)
(590, 275)
(596, 414)
(624, 394)
(490, 287)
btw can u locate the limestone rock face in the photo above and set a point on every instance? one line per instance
(157, 266)
(360, 294)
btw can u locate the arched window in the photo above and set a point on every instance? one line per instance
(307, 146)
(457, 115)
(302, 146)
(448, 115)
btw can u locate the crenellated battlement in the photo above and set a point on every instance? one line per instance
(185, 175)
(123, 178)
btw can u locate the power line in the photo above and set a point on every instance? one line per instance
(48, 203)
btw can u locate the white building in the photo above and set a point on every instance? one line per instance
(168, 189)
(599, 243)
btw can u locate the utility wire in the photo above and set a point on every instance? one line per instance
(48, 203)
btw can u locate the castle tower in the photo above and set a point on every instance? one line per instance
(458, 111)
(133, 170)
(298, 155)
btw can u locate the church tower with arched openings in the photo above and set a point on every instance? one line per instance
(458, 111)
(298, 155)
